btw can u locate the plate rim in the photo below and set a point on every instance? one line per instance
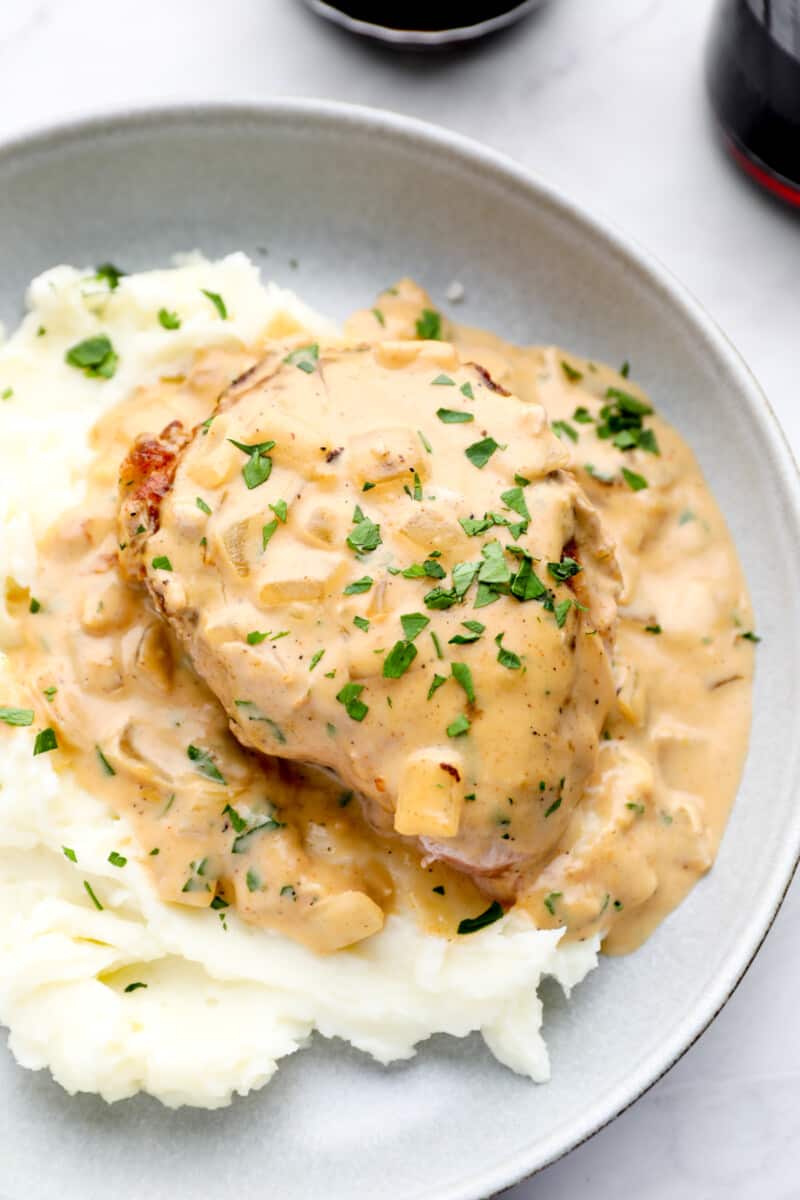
(41, 137)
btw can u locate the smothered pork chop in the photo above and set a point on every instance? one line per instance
(408, 610)
(343, 717)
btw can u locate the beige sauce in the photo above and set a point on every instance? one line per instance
(641, 783)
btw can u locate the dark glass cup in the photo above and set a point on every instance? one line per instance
(422, 24)
(753, 77)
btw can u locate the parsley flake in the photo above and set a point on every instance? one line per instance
(572, 375)
(635, 482)
(168, 320)
(217, 301)
(413, 624)
(458, 727)
(95, 356)
(205, 764)
(358, 586)
(453, 416)
(305, 358)
(462, 675)
(429, 326)
(436, 683)
(507, 658)
(349, 697)
(480, 452)
(16, 716)
(488, 917)
(399, 659)
(46, 741)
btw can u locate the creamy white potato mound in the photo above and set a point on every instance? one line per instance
(223, 1001)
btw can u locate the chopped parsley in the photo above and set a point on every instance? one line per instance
(425, 443)
(439, 889)
(168, 320)
(255, 637)
(258, 467)
(466, 390)
(458, 727)
(563, 429)
(561, 609)
(480, 452)
(652, 629)
(69, 853)
(514, 498)
(90, 893)
(488, 917)
(506, 658)
(749, 636)
(443, 381)
(474, 631)
(399, 659)
(267, 531)
(358, 586)
(253, 880)
(429, 325)
(16, 716)
(365, 534)
(315, 658)
(46, 741)
(462, 675)
(378, 315)
(572, 375)
(554, 807)
(349, 697)
(201, 504)
(413, 624)
(49, 692)
(161, 563)
(110, 274)
(361, 623)
(635, 482)
(117, 860)
(583, 416)
(217, 301)
(636, 807)
(133, 987)
(242, 839)
(565, 569)
(95, 356)
(452, 416)
(205, 764)
(281, 509)
(436, 683)
(621, 420)
(437, 645)
(550, 902)
(305, 358)
(105, 765)
(429, 569)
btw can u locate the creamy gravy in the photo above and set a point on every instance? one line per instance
(286, 844)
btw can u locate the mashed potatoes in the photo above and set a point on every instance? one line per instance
(221, 1001)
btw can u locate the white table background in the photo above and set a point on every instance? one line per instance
(605, 99)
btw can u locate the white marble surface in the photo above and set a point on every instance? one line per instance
(605, 98)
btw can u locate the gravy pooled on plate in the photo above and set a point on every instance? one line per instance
(383, 561)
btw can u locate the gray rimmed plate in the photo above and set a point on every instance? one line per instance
(336, 202)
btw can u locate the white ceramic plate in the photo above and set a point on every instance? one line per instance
(358, 198)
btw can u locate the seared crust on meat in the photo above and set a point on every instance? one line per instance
(146, 475)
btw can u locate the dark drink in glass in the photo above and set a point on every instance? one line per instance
(753, 76)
